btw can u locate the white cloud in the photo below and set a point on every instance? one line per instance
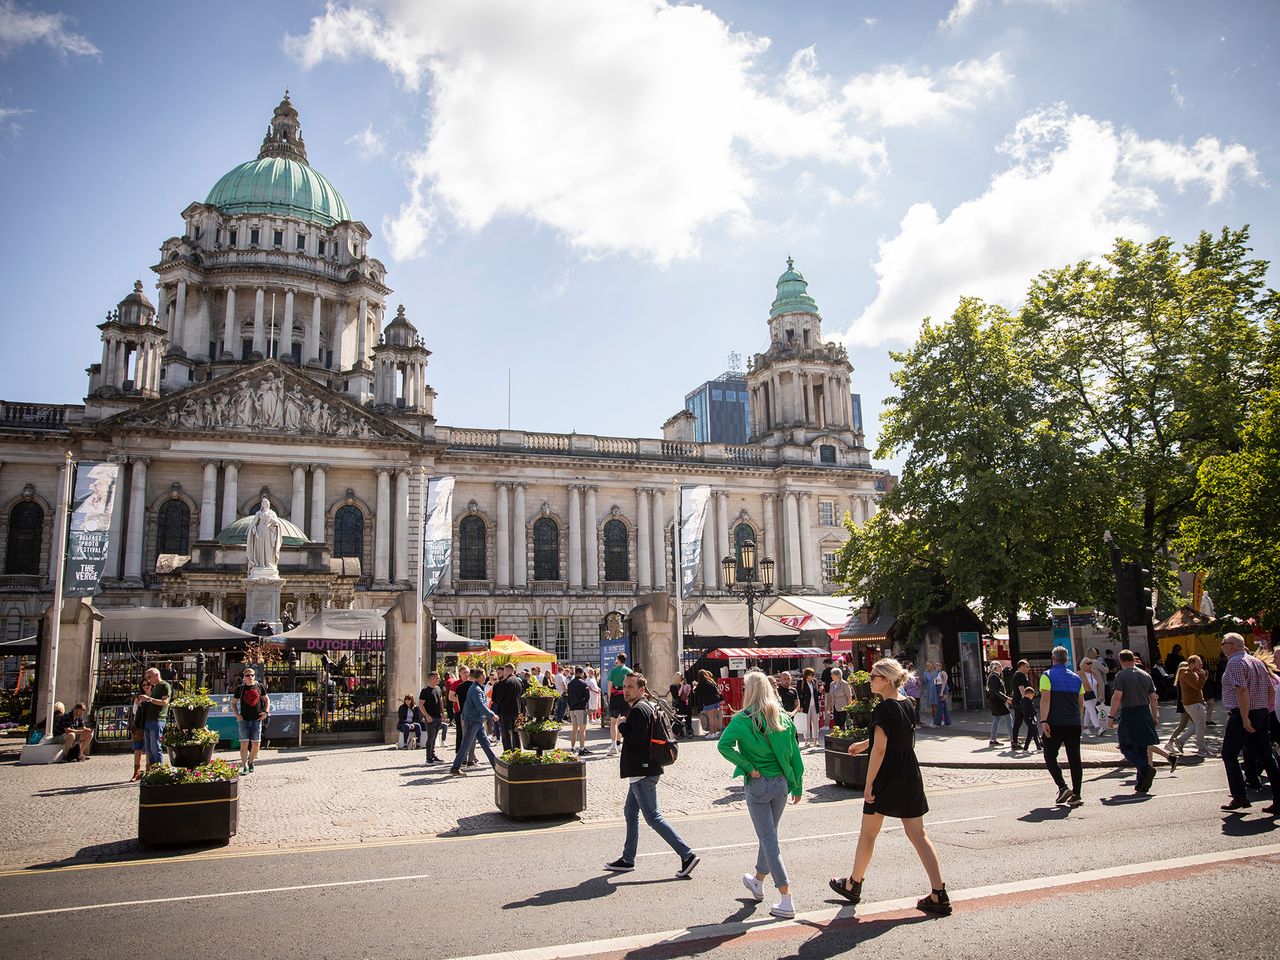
(629, 126)
(871, 22)
(1074, 184)
(966, 8)
(368, 142)
(9, 124)
(20, 27)
(1178, 98)
(892, 97)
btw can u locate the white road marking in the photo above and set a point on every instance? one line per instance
(820, 836)
(819, 917)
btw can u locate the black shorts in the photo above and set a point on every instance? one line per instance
(618, 705)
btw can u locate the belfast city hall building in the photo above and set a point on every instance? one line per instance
(271, 360)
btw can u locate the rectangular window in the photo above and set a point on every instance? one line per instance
(231, 238)
(826, 513)
(562, 638)
(320, 250)
(254, 236)
(302, 241)
(462, 626)
(277, 238)
(537, 630)
(488, 628)
(828, 567)
(717, 394)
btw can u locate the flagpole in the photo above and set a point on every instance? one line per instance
(422, 527)
(679, 579)
(60, 560)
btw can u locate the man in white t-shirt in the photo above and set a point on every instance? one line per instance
(560, 681)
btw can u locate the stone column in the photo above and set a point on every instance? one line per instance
(644, 574)
(137, 519)
(401, 534)
(362, 325)
(203, 332)
(520, 566)
(504, 535)
(179, 331)
(593, 541)
(811, 575)
(230, 492)
(724, 535)
(318, 506)
(710, 562)
(116, 536)
(229, 335)
(209, 500)
(259, 330)
(575, 537)
(768, 502)
(312, 352)
(298, 507)
(382, 527)
(791, 527)
(659, 542)
(797, 397)
(286, 337)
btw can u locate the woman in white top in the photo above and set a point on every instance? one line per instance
(593, 685)
(1093, 695)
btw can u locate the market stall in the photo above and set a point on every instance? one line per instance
(742, 659)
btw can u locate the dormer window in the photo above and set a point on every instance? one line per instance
(277, 238)
(320, 249)
(231, 238)
(255, 236)
(302, 242)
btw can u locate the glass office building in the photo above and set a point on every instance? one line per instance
(721, 409)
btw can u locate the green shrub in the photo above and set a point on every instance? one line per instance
(523, 757)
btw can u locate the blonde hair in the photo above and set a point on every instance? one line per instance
(891, 670)
(760, 700)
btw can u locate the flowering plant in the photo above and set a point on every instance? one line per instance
(175, 737)
(522, 757)
(538, 691)
(192, 699)
(161, 774)
(538, 726)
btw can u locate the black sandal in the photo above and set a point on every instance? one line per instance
(940, 907)
(853, 895)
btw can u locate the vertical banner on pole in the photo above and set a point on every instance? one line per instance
(93, 503)
(693, 516)
(437, 533)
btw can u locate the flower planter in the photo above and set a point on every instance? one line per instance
(191, 755)
(859, 719)
(187, 813)
(843, 769)
(190, 718)
(539, 708)
(862, 691)
(542, 739)
(524, 740)
(540, 789)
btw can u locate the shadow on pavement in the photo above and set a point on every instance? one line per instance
(831, 793)
(86, 788)
(593, 888)
(121, 851)
(1126, 799)
(1045, 814)
(1236, 825)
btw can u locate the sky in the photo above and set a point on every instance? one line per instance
(599, 195)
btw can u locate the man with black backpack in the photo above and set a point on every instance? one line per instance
(646, 748)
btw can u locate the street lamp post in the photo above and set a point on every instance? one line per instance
(756, 581)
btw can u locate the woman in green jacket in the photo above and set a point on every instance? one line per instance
(760, 742)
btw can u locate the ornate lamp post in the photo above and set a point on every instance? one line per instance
(757, 581)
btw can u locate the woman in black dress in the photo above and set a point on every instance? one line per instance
(894, 788)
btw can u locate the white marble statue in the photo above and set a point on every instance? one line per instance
(266, 536)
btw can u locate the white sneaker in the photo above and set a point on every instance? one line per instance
(613, 749)
(754, 886)
(784, 908)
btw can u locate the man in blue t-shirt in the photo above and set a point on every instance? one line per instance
(1061, 707)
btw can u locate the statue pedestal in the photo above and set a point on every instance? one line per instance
(262, 602)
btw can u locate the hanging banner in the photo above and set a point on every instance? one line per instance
(693, 515)
(437, 533)
(93, 502)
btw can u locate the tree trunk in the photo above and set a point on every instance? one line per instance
(1015, 645)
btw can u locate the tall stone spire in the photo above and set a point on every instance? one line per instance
(284, 134)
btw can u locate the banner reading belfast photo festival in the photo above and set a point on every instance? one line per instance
(437, 533)
(693, 514)
(93, 502)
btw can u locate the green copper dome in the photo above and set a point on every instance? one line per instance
(281, 186)
(793, 293)
(238, 532)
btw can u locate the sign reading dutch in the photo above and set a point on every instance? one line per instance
(87, 541)
(437, 533)
(693, 516)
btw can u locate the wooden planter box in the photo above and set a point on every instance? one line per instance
(843, 769)
(540, 789)
(187, 813)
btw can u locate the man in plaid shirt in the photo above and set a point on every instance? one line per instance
(1248, 698)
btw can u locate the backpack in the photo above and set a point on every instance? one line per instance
(663, 750)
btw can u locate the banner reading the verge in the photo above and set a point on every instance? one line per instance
(437, 533)
(92, 505)
(693, 514)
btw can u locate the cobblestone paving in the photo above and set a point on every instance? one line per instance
(88, 811)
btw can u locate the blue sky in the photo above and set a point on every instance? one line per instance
(600, 194)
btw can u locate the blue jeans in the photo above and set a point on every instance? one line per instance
(152, 731)
(766, 801)
(562, 707)
(1258, 744)
(250, 730)
(942, 713)
(1136, 755)
(472, 734)
(642, 797)
(995, 725)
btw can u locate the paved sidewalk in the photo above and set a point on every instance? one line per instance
(88, 811)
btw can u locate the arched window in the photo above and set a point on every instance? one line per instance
(741, 534)
(173, 528)
(26, 530)
(546, 549)
(471, 559)
(616, 561)
(348, 532)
